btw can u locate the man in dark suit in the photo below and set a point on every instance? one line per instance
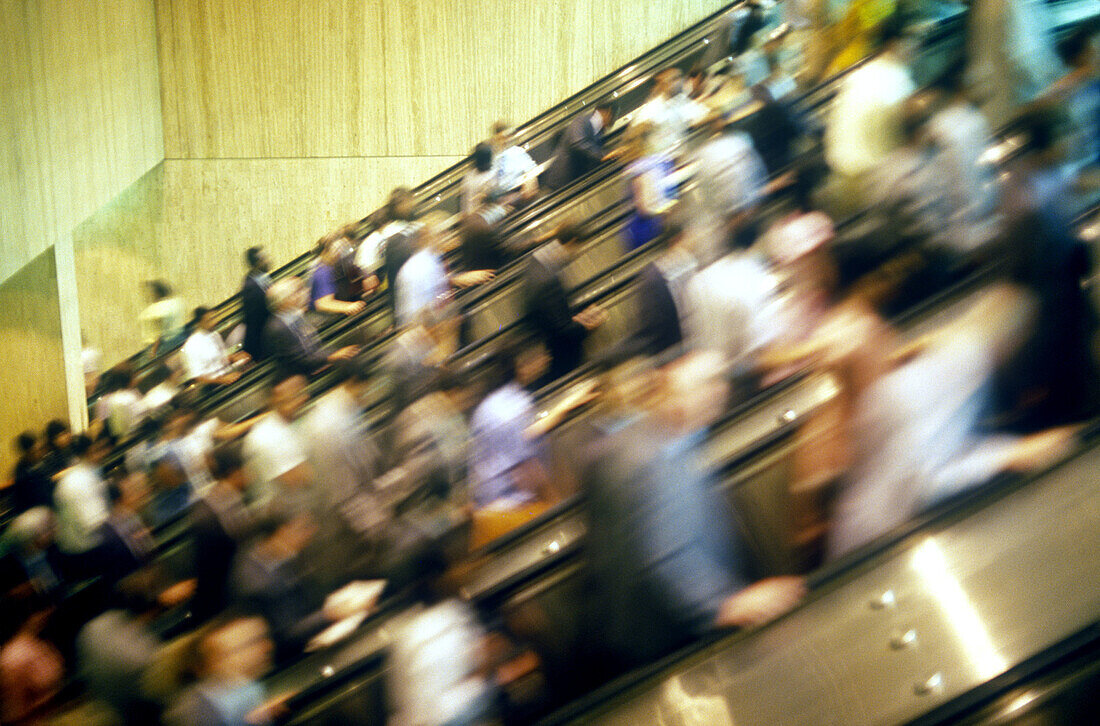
(219, 524)
(660, 313)
(290, 339)
(580, 149)
(254, 301)
(547, 313)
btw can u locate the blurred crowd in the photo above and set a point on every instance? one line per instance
(162, 565)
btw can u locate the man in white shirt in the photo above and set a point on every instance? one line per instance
(865, 121)
(516, 172)
(275, 452)
(80, 501)
(669, 110)
(423, 281)
(205, 358)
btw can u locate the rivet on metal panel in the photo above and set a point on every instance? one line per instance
(933, 684)
(787, 416)
(902, 639)
(328, 671)
(552, 547)
(885, 600)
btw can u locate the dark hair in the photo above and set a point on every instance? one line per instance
(891, 29)
(570, 232)
(398, 195)
(80, 445)
(160, 289)
(226, 459)
(252, 255)
(1041, 126)
(953, 78)
(198, 314)
(1072, 47)
(482, 157)
(25, 441)
(55, 428)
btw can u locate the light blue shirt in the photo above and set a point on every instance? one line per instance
(499, 445)
(421, 282)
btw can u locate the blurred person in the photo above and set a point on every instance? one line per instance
(330, 292)
(961, 135)
(864, 121)
(30, 560)
(126, 544)
(275, 450)
(508, 479)
(58, 454)
(289, 339)
(162, 322)
(1079, 91)
(775, 129)
(581, 147)
(271, 579)
(479, 186)
(480, 246)
(668, 111)
(382, 253)
(116, 648)
(234, 654)
(172, 490)
(666, 564)
(417, 352)
(254, 307)
(732, 308)
(651, 186)
(163, 385)
(205, 358)
(547, 313)
(220, 525)
(1010, 44)
(1053, 377)
(120, 407)
(423, 281)
(91, 362)
(729, 185)
(32, 670)
(662, 298)
(516, 173)
(81, 504)
(436, 675)
(30, 483)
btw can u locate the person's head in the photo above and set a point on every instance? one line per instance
(158, 289)
(227, 465)
(181, 416)
(334, 246)
(58, 435)
(1077, 50)
(457, 385)
(287, 295)
(235, 649)
(523, 360)
(354, 376)
(204, 318)
(667, 83)
(90, 450)
(432, 231)
(288, 395)
(129, 492)
(799, 247)
(168, 473)
(503, 135)
(26, 445)
(401, 205)
(694, 391)
(893, 38)
(256, 259)
(482, 156)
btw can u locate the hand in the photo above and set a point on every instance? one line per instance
(471, 278)
(370, 284)
(241, 357)
(273, 709)
(230, 377)
(354, 307)
(346, 353)
(353, 599)
(761, 602)
(1040, 450)
(591, 317)
(580, 395)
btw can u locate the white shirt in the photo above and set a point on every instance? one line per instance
(733, 307)
(511, 167)
(80, 501)
(865, 120)
(341, 456)
(121, 411)
(433, 675)
(204, 354)
(421, 282)
(671, 119)
(272, 448)
(369, 256)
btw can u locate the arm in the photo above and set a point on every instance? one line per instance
(329, 304)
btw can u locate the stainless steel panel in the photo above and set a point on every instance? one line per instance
(979, 596)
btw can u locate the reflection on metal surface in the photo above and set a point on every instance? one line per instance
(885, 600)
(903, 639)
(1019, 702)
(930, 563)
(933, 684)
(684, 709)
